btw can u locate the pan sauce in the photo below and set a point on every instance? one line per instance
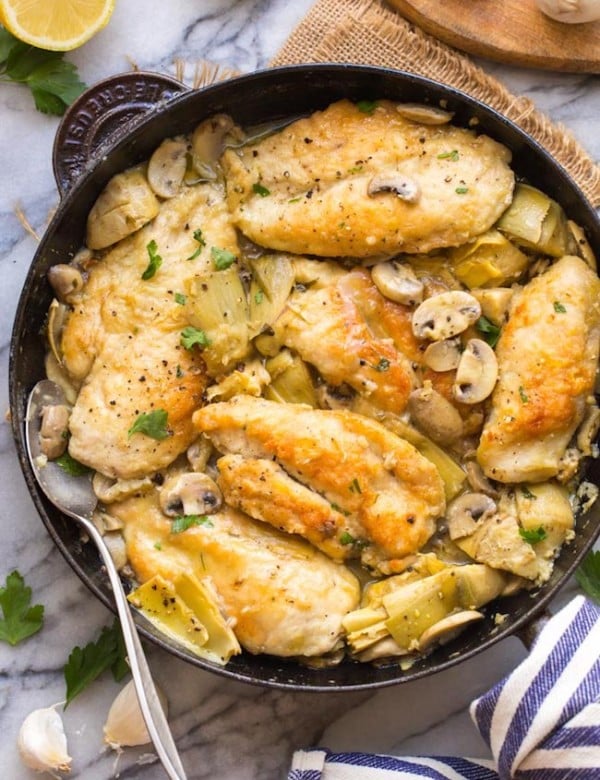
(402, 289)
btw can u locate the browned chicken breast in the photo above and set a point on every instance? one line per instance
(547, 356)
(283, 595)
(122, 340)
(353, 335)
(381, 483)
(347, 181)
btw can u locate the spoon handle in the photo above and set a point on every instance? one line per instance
(154, 716)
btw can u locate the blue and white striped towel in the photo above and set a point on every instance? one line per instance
(542, 722)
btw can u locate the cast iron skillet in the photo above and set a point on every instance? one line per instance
(85, 161)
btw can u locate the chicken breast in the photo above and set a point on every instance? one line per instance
(284, 596)
(122, 340)
(328, 184)
(353, 335)
(547, 357)
(365, 472)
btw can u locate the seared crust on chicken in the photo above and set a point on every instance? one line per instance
(122, 340)
(547, 357)
(362, 469)
(353, 335)
(283, 595)
(306, 188)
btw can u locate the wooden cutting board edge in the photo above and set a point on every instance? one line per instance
(510, 31)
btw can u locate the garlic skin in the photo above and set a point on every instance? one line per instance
(125, 726)
(42, 742)
(571, 11)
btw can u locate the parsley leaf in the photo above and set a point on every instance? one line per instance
(533, 535)
(461, 190)
(152, 424)
(259, 189)
(154, 263)
(489, 331)
(222, 258)
(71, 466)
(354, 486)
(383, 365)
(588, 575)
(523, 395)
(180, 298)
(453, 155)
(347, 538)
(183, 522)
(20, 619)
(366, 106)
(191, 336)
(201, 243)
(85, 665)
(54, 82)
(559, 307)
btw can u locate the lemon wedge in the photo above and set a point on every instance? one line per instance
(57, 25)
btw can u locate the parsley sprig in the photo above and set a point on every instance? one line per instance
(588, 575)
(20, 620)
(86, 664)
(152, 424)
(54, 82)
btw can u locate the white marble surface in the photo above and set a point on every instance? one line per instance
(225, 730)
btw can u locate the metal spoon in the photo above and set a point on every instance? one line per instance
(74, 496)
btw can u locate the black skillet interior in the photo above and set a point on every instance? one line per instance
(265, 97)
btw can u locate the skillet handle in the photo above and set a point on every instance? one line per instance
(531, 630)
(101, 115)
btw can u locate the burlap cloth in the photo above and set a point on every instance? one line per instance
(368, 32)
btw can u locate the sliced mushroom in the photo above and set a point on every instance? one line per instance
(116, 547)
(109, 490)
(445, 315)
(404, 187)
(588, 430)
(397, 282)
(126, 204)
(106, 522)
(423, 114)
(478, 481)
(66, 281)
(190, 493)
(384, 648)
(584, 250)
(435, 415)
(448, 628)
(166, 168)
(208, 142)
(54, 430)
(495, 302)
(467, 512)
(476, 374)
(443, 355)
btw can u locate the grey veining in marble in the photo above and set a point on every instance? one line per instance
(225, 730)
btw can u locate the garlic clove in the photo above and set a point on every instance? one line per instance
(42, 742)
(125, 726)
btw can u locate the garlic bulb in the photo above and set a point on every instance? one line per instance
(571, 11)
(42, 742)
(125, 726)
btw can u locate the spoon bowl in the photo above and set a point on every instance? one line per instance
(74, 496)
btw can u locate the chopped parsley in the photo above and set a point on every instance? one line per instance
(347, 539)
(461, 190)
(523, 395)
(71, 466)
(354, 486)
(155, 261)
(258, 297)
(152, 424)
(183, 522)
(180, 298)
(158, 546)
(527, 493)
(383, 365)
(339, 509)
(453, 155)
(197, 234)
(259, 189)
(20, 620)
(489, 331)
(559, 308)
(222, 258)
(190, 337)
(366, 106)
(533, 535)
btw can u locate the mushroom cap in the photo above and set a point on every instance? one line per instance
(466, 513)
(476, 374)
(445, 315)
(397, 282)
(167, 167)
(448, 628)
(190, 493)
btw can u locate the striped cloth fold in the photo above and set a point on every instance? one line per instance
(542, 722)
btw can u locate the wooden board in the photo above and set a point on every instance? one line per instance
(511, 31)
